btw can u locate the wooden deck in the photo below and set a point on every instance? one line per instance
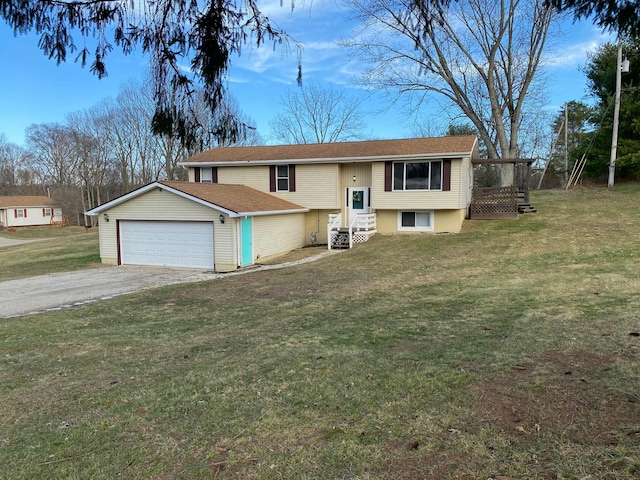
(494, 203)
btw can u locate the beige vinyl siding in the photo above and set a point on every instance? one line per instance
(225, 241)
(362, 172)
(417, 199)
(163, 205)
(277, 234)
(317, 185)
(466, 181)
(252, 176)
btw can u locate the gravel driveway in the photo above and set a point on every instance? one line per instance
(63, 290)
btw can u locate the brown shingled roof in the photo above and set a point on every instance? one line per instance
(461, 144)
(26, 201)
(236, 198)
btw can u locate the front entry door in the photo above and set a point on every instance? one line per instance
(357, 201)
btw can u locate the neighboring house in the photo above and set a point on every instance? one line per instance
(246, 203)
(23, 211)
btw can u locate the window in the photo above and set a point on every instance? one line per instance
(46, 212)
(417, 175)
(282, 178)
(206, 175)
(20, 212)
(415, 221)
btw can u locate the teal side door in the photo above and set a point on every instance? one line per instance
(246, 227)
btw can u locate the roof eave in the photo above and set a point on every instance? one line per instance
(272, 212)
(379, 158)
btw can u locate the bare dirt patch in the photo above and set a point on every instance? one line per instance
(563, 392)
(558, 401)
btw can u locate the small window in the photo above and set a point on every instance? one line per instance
(282, 178)
(46, 212)
(415, 221)
(206, 175)
(20, 213)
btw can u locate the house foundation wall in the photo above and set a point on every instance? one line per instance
(316, 222)
(443, 221)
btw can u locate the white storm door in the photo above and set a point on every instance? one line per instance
(357, 201)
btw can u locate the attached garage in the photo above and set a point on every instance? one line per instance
(197, 225)
(169, 244)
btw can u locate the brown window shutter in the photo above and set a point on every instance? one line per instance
(196, 174)
(43, 212)
(15, 213)
(292, 178)
(446, 175)
(214, 174)
(272, 178)
(388, 176)
(25, 213)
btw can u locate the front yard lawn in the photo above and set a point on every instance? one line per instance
(510, 350)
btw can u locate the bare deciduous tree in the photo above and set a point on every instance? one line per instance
(316, 114)
(51, 153)
(481, 56)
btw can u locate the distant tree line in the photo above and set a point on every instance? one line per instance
(108, 150)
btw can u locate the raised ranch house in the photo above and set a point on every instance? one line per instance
(242, 204)
(24, 211)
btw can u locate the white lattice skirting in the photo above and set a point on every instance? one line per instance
(361, 237)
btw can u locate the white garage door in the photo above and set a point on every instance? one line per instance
(171, 244)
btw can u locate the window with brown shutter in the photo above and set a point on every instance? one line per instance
(272, 178)
(388, 176)
(292, 178)
(446, 175)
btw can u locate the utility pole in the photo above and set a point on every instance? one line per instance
(566, 143)
(616, 116)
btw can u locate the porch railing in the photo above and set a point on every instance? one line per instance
(357, 230)
(335, 222)
(366, 221)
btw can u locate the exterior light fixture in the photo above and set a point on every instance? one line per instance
(221, 218)
(354, 178)
(106, 217)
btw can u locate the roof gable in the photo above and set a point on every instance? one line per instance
(26, 201)
(461, 145)
(235, 200)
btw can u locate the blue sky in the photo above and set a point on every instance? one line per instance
(33, 89)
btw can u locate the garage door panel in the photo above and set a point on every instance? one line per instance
(175, 244)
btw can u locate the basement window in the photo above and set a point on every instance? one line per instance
(415, 221)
